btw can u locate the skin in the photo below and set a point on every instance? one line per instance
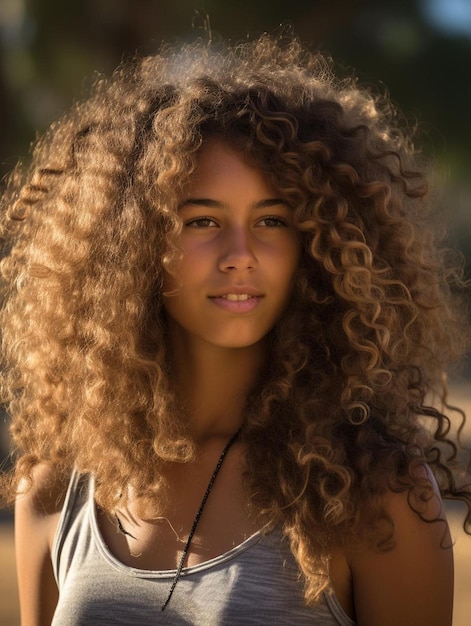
(237, 234)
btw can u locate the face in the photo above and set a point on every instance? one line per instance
(239, 253)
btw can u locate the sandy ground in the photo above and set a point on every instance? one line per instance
(9, 614)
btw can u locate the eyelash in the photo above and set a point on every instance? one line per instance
(277, 222)
(196, 222)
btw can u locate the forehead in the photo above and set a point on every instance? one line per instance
(218, 164)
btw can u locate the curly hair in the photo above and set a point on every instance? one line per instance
(340, 415)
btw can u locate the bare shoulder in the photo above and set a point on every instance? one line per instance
(45, 493)
(411, 582)
(37, 510)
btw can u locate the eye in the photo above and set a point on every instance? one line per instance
(201, 222)
(272, 221)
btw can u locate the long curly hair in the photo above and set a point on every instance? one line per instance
(345, 410)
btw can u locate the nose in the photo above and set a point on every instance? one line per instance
(237, 251)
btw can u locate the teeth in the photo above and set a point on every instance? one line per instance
(237, 297)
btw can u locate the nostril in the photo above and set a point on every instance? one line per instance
(238, 254)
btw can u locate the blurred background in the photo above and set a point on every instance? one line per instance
(418, 51)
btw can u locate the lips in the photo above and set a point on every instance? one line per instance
(237, 297)
(237, 302)
(237, 293)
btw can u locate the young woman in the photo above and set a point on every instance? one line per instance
(225, 327)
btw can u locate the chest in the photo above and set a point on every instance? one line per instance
(257, 580)
(156, 540)
(257, 583)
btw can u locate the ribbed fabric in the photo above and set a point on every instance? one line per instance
(256, 583)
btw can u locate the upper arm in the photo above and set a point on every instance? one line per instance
(411, 584)
(36, 514)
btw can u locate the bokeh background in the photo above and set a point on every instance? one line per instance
(418, 51)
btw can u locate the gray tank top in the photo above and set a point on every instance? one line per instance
(256, 583)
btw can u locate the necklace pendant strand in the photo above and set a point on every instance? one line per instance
(121, 527)
(198, 516)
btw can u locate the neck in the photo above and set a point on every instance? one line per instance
(213, 383)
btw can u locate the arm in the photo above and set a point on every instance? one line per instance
(412, 584)
(37, 512)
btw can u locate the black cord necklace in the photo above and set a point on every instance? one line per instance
(197, 518)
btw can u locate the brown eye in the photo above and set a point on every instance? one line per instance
(201, 222)
(272, 221)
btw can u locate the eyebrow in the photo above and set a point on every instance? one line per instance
(215, 204)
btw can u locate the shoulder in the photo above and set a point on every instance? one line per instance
(37, 510)
(38, 506)
(411, 581)
(42, 495)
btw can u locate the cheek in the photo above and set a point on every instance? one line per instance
(170, 285)
(180, 274)
(288, 259)
(195, 259)
(284, 264)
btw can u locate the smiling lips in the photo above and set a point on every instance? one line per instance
(237, 297)
(237, 302)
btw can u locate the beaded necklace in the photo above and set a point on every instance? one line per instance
(229, 444)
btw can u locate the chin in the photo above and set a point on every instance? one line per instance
(239, 342)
